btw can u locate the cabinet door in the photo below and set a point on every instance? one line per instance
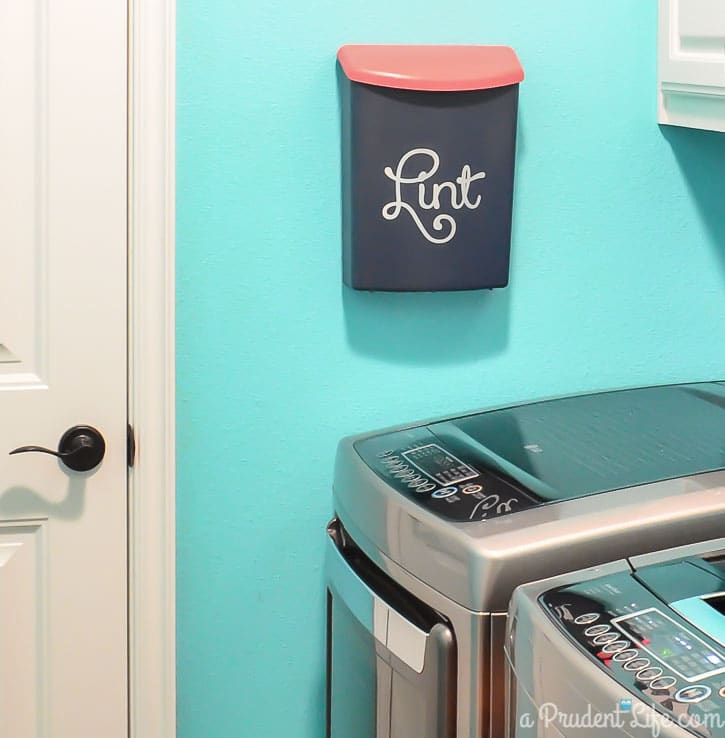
(692, 63)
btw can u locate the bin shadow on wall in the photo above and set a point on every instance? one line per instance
(701, 156)
(427, 327)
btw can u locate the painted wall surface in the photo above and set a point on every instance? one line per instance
(618, 278)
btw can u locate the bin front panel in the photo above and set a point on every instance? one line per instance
(428, 187)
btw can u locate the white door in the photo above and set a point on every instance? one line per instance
(63, 629)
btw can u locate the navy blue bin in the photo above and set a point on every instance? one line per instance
(428, 148)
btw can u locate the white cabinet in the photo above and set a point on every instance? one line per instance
(692, 63)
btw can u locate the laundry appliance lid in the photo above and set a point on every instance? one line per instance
(694, 588)
(583, 445)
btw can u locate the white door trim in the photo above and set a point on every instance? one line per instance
(152, 612)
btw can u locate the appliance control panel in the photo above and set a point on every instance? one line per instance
(420, 466)
(647, 648)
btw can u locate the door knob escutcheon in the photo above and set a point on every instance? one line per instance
(81, 448)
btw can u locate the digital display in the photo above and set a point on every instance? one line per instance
(439, 465)
(671, 644)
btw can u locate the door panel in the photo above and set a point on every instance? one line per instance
(22, 637)
(63, 659)
(22, 210)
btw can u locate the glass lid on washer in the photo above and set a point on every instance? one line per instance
(577, 446)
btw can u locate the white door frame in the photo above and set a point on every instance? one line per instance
(151, 401)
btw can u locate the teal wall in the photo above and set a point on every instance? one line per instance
(618, 278)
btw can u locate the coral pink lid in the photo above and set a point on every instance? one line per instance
(431, 68)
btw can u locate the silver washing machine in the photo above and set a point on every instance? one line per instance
(437, 523)
(635, 648)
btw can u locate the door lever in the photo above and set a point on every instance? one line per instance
(81, 448)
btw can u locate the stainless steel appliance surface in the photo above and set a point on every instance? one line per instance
(633, 648)
(436, 523)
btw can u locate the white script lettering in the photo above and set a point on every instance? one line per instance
(458, 199)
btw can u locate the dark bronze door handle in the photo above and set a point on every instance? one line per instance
(81, 448)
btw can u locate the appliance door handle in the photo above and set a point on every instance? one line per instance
(383, 622)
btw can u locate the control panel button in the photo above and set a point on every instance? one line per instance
(721, 691)
(428, 487)
(627, 655)
(444, 492)
(602, 640)
(693, 693)
(596, 630)
(471, 489)
(637, 664)
(615, 647)
(384, 454)
(587, 618)
(648, 674)
(665, 682)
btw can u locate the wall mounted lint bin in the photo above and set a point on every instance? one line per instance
(428, 149)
